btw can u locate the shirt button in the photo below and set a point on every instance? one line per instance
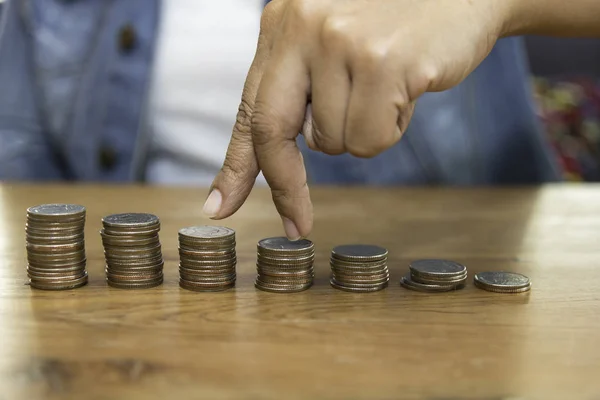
(127, 38)
(107, 158)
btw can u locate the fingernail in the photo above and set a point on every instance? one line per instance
(290, 229)
(213, 203)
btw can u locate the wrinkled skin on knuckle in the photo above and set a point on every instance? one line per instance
(243, 120)
(264, 128)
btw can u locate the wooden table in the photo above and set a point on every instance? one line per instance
(102, 343)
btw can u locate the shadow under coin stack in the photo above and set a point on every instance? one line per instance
(207, 258)
(284, 266)
(56, 246)
(132, 250)
(433, 276)
(359, 268)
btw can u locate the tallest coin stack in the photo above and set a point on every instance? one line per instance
(56, 247)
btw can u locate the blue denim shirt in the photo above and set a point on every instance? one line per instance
(74, 79)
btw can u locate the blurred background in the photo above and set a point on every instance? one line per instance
(148, 91)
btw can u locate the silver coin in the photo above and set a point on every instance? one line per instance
(359, 252)
(271, 259)
(52, 240)
(279, 272)
(140, 262)
(502, 281)
(335, 263)
(62, 285)
(61, 229)
(207, 232)
(232, 261)
(437, 268)
(285, 266)
(284, 245)
(63, 269)
(139, 233)
(126, 269)
(212, 246)
(133, 220)
(360, 278)
(408, 283)
(358, 289)
(282, 289)
(220, 288)
(207, 284)
(218, 279)
(121, 285)
(56, 211)
(35, 248)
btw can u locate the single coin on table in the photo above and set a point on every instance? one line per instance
(502, 282)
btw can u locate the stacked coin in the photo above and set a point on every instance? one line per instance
(207, 258)
(132, 250)
(284, 266)
(502, 282)
(359, 268)
(56, 247)
(432, 276)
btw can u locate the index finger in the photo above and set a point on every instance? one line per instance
(276, 122)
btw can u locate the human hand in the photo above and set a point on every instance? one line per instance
(346, 73)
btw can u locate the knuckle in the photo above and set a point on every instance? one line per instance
(374, 55)
(327, 144)
(334, 32)
(233, 167)
(301, 10)
(286, 195)
(369, 150)
(269, 16)
(243, 120)
(425, 76)
(263, 127)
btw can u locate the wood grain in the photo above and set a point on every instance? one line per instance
(102, 343)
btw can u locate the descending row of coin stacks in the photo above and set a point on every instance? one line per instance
(284, 266)
(207, 258)
(359, 268)
(132, 250)
(433, 276)
(56, 246)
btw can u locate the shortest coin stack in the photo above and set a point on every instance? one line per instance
(433, 276)
(55, 246)
(207, 258)
(502, 282)
(359, 268)
(132, 250)
(284, 266)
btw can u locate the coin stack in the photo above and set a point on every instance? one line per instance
(284, 266)
(433, 276)
(132, 250)
(359, 268)
(56, 247)
(502, 282)
(207, 258)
